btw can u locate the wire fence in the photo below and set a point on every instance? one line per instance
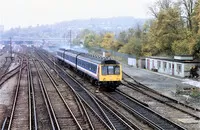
(122, 57)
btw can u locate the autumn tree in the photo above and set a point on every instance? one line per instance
(196, 18)
(159, 6)
(123, 37)
(81, 36)
(92, 40)
(132, 47)
(134, 44)
(165, 29)
(108, 41)
(188, 10)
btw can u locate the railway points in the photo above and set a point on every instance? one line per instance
(57, 97)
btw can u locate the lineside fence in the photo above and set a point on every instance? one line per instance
(113, 54)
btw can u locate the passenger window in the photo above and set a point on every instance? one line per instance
(110, 70)
(117, 70)
(104, 70)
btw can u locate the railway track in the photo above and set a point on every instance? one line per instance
(62, 111)
(150, 121)
(9, 74)
(113, 121)
(81, 109)
(4, 68)
(18, 118)
(48, 104)
(142, 86)
(39, 116)
(162, 123)
(171, 124)
(33, 124)
(192, 111)
(147, 115)
(76, 104)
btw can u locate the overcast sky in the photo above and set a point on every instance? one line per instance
(14, 13)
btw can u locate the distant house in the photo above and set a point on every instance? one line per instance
(179, 66)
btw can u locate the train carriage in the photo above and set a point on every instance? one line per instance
(101, 71)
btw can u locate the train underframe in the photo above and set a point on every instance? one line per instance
(109, 85)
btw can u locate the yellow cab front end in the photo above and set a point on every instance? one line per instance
(110, 74)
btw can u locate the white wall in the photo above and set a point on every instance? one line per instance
(132, 61)
(185, 67)
(178, 72)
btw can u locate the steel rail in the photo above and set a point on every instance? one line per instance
(80, 89)
(10, 74)
(61, 96)
(114, 114)
(84, 91)
(80, 99)
(149, 116)
(53, 79)
(62, 73)
(89, 106)
(51, 113)
(138, 84)
(163, 101)
(32, 107)
(5, 122)
(4, 70)
(15, 97)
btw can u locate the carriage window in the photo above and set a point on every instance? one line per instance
(104, 70)
(117, 70)
(110, 70)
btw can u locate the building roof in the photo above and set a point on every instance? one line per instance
(180, 60)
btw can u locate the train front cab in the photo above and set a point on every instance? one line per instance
(110, 75)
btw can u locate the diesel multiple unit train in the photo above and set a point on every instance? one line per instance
(101, 71)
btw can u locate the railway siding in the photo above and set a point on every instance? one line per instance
(62, 111)
(83, 93)
(21, 117)
(62, 99)
(43, 121)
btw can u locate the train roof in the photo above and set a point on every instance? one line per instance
(93, 58)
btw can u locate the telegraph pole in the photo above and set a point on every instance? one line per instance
(70, 38)
(11, 48)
